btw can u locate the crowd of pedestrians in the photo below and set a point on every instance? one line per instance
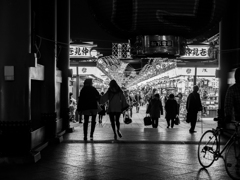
(91, 103)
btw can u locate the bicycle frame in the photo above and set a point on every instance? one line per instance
(232, 138)
(214, 147)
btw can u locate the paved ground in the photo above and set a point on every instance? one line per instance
(136, 131)
(143, 153)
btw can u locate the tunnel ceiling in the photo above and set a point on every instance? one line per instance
(107, 21)
(130, 18)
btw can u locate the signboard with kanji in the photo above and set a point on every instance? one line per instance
(161, 43)
(197, 52)
(80, 51)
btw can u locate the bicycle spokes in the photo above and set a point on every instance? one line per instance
(207, 149)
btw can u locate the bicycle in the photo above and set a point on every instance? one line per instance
(209, 150)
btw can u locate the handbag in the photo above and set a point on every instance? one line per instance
(147, 121)
(127, 119)
(176, 121)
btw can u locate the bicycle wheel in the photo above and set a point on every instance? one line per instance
(207, 148)
(232, 160)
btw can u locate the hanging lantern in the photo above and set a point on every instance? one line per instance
(157, 26)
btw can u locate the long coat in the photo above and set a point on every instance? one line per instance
(114, 98)
(193, 103)
(89, 96)
(155, 108)
(171, 108)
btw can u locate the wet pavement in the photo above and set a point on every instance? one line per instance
(143, 153)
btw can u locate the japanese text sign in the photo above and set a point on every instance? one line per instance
(196, 52)
(80, 51)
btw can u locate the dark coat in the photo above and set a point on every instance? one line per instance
(193, 103)
(155, 108)
(114, 97)
(171, 108)
(89, 96)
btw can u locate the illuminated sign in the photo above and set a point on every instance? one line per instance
(162, 43)
(197, 52)
(206, 71)
(186, 71)
(81, 51)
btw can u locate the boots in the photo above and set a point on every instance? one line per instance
(93, 124)
(85, 130)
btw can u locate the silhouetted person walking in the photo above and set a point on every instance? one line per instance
(114, 96)
(87, 105)
(193, 106)
(171, 108)
(155, 108)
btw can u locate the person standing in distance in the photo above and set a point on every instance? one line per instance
(193, 106)
(72, 107)
(138, 101)
(130, 102)
(103, 111)
(232, 99)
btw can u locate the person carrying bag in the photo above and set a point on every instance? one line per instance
(171, 108)
(155, 108)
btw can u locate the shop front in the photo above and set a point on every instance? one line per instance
(209, 86)
(181, 80)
